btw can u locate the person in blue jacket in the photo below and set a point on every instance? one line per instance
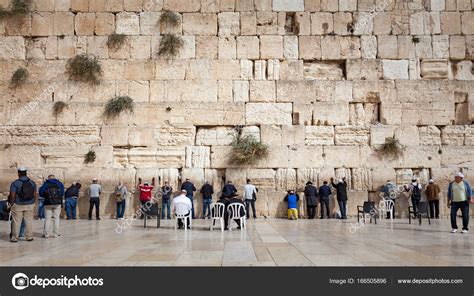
(459, 196)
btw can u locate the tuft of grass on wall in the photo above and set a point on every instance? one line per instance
(169, 20)
(116, 41)
(391, 149)
(247, 150)
(84, 68)
(19, 78)
(17, 8)
(170, 46)
(117, 105)
(90, 157)
(59, 107)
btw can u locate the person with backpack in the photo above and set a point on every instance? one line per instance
(459, 197)
(94, 198)
(311, 193)
(23, 195)
(120, 199)
(324, 193)
(414, 191)
(52, 191)
(71, 195)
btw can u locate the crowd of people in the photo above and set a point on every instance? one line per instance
(52, 196)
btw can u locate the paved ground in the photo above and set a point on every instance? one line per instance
(266, 242)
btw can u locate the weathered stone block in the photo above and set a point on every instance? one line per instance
(262, 91)
(288, 5)
(395, 69)
(248, 47)
(199, 24)
(229, 23)
(271, 47)
(429, 135)
(128, 23)
(322, 23)
(331, 113)
(268, 113)
(319, 135)
(309, 47)
(352, 135)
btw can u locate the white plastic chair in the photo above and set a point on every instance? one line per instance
(217, 213)
(385, 206)
(181, 212)
(234, 210)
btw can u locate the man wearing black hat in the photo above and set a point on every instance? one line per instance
(311, 193)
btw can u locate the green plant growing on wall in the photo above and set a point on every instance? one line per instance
(18, 78)
(116, 41)
(90, 157)
(84, 68)
(59, 107)
(169, 20)
(117, 105)
(170, 46)
(391, 149)
(17, 8)
(247, 150)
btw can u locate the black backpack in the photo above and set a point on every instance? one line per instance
(416, 193)
(27, 191)
(53, 195)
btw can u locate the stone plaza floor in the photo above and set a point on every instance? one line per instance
(266, 242)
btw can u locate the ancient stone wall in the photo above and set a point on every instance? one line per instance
(322, 82)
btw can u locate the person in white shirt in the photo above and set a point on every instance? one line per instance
(182, 206)
(250, 196)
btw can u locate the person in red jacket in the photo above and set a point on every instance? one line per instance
(145, 193)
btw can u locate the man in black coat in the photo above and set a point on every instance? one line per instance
(207, 191)
(228, 200)
(190, 189)
(229, 189)
(324, 193)
(311, 193)
(341, 191)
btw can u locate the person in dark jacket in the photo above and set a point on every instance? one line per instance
(166, 192)
(72, 195)
(53, 191)
(207, 191)
(341, 191)
(311, 193)
(324, 193)
(229, 189)
(228, 200)
(190, 189)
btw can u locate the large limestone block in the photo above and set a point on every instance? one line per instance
(352, 135)
(104, 23)
(293, 135)
(381, 175)
(286, 179)
(182, 6)
(453, 135)
(198, 157)
(363, 69)
(52, 135)
(363, 113)
(322, 23)
(435, 69)
(319, 135)
(229, 23)
(288, 5)
(263, 179)
(271, 47)
(12, 48)
(322, 71)
(407, 135)
(128, 23)
(429, 135)
(262, 91)
(271, 134)
(175, 135)
(450, 23)
(463, 71)
(331, 113)
(341, 156)
(248, 47)
(395, 69)
(297, 91)
(268, 113)
(309, 47)
(199, 24)
(421, 156)
(354, 199)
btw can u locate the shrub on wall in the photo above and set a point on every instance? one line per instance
(116, 41)
(89, 157)
(17, 8)
(84, 68)
(18, 78)
(247, 150)
(117, 105)
(59, 107)
(170, 46)
(169, 20)
(391, 149)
